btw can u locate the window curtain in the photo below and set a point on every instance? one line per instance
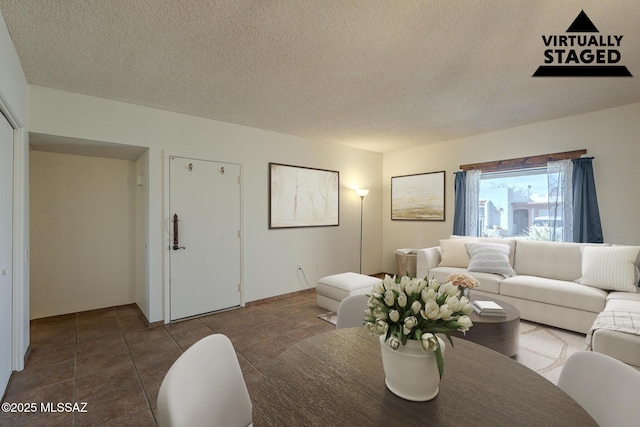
(472, 199)
(466, 193)
(459, 194)
(586, 215)
(560, 178)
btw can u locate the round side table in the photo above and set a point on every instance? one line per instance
(499, 333)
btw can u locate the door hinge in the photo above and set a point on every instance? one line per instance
(238, 234)
(238, 287)
(238, 180)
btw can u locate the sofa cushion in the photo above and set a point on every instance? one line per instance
(553, 260)
(555, 292)
(453, 253)
(490, 258)
(488, 282)
(610, 267)
(510, 242)
(620, 345)
(625, 306)
(629, 296)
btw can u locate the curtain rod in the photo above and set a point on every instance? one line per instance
(590, 158)
(524, 162)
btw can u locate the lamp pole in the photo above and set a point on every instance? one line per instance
(361, 192)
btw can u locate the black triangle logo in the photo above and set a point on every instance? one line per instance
(582, 24)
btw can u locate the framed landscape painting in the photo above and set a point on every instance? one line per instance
(303, 197)
(418, 197)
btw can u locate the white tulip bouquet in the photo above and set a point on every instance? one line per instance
(407, 308)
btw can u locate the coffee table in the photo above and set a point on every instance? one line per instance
(499, 333)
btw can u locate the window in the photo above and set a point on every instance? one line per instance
(514, 204)
(526, 197)
(509, 198)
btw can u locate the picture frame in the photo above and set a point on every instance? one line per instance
(301, 196)
(418, 197)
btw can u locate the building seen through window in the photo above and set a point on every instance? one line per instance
(516, 204)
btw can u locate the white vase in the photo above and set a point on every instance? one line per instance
(411, 373)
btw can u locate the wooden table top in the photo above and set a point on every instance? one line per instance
(336, 378)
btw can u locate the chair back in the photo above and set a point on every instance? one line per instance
(205, 387)
(351, 311)
(605, 387)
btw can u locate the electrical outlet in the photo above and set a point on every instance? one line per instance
(299, 266)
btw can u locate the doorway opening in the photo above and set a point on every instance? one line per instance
(88, 220)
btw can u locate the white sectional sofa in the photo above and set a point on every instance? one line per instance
(623, 346)
(566, 285)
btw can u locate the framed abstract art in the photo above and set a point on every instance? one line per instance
(418, 197)
(303, 197)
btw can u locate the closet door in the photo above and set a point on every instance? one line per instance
(6, 251)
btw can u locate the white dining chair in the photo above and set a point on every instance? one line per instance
(605, 387)
(351, 311)
(205, 387)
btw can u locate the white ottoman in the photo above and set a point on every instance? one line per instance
(332, 290)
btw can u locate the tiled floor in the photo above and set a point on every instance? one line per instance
(109, 359)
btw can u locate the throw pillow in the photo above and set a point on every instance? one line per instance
(490, 258)
(613, 268)
(453, 253)
(510, 242)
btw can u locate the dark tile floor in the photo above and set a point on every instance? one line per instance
(109, 359)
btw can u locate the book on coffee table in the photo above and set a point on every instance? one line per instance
(488, 308)
(490, 313)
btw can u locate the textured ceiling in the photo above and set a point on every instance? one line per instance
(378, 75)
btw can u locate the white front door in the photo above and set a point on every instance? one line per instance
(204, 201)
(6, 250)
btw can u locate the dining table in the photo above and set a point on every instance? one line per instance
(336, 379)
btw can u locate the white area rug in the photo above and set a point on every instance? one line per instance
(542, 348)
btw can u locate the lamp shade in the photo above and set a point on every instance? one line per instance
(362, 192)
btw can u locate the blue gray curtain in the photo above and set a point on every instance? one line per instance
(586, 215)
(460, 190)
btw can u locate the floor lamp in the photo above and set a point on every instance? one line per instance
(361, 192)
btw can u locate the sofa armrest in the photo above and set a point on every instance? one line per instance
(426, 260)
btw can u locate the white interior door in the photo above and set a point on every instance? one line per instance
(6, 250)
(204, 197)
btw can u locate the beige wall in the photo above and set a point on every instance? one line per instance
(611, 136)
(83, 233)
(142, 285)
(270, 257)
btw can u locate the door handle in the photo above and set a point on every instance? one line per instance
(176, 246)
